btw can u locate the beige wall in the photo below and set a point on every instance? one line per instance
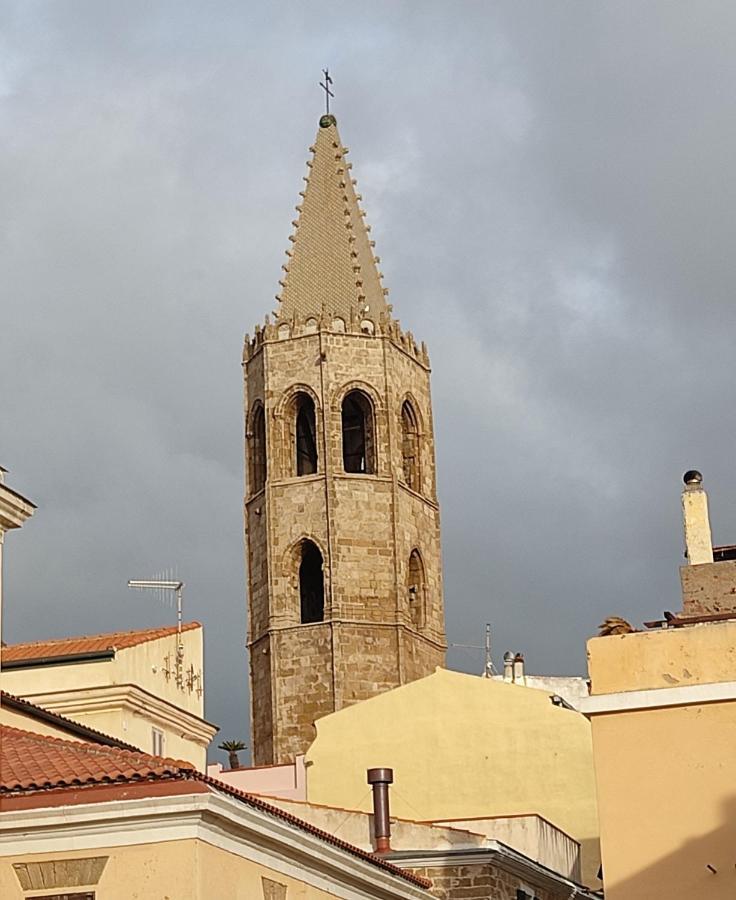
(664, 773)
(670, 657)
(99, 694)
(172, 870)
(17, 719)
(461, 747)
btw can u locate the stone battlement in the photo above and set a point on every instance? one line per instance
(386, 327)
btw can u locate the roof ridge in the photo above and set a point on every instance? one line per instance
(166, 629)
(64, 721)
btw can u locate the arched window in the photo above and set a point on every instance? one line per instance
(257, 472)
(410, 446)
(306, 435)
(416, 588)
(357, 433)
(311, 584)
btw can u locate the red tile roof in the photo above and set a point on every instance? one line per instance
(69, 646)
(33, 763)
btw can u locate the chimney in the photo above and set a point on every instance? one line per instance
(380, 779)
(508, 666)
(519, 669)
(698, 544)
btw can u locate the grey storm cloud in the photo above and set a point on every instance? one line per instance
(551, 190)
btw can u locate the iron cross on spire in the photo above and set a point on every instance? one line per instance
(326, 88)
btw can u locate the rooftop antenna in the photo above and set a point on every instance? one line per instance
(326, 88)
(489, 670)
(163, 586)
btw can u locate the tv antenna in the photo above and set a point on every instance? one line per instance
(489, 669)
(164, 588)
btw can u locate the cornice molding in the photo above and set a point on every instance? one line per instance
(683, 695)
(134, 700)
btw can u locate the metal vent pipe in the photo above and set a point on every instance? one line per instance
(380, 779)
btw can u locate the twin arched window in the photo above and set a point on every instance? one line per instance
(358, 439)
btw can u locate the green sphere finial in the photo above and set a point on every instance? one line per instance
(327, 120)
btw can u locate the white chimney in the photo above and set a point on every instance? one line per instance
(698, 543)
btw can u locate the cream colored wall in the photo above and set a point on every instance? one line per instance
(93, 693)
(172, 870)
(670, 657)
(667, 802)
(462, 746)
(44, 679)
(143, 665)
(29, 723)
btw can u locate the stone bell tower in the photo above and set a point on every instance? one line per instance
(341, 515)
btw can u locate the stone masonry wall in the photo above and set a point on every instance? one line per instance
(480, 882)
(365, 526)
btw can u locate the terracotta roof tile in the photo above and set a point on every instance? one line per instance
(30, 762)
(68, 646)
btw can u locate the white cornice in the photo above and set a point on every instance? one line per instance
(683, 695)
(14, 508)
(218, 820)
(131, 698)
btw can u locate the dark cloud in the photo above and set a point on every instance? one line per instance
(550, 187)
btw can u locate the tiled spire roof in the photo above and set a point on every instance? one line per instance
(331, 266)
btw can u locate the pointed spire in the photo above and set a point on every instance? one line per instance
(331, 267)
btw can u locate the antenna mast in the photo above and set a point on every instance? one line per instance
(177, 587)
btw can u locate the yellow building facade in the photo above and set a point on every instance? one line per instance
(663, 716)
(463, 747)
(127, 685)
(663, 713)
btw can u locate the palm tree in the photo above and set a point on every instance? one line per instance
(232, 748)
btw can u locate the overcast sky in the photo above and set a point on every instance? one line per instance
(551, 189)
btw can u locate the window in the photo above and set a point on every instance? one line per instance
(357, 433)
(257, 449)
(157, 739)
(311, 584)
(410, 446)
(416, 588)
(306, 435)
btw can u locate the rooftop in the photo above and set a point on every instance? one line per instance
(32, 766)
(33, 711)
(95, 643)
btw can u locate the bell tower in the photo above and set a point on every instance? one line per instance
(341, 515)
